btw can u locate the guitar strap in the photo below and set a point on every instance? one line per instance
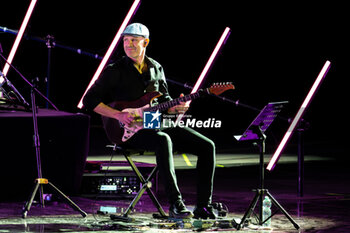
(151, 72)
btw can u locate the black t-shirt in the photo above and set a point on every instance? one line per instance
(121, 81)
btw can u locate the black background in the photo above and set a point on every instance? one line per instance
(274, 53)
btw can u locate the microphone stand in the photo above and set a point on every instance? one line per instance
(39, 181)
(236, 102)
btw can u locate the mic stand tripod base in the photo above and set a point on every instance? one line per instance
(41, 182)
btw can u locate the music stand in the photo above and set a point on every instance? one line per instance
(255, 132)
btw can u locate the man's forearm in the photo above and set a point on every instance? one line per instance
(105, 110)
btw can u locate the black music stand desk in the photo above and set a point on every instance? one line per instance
(256, 132)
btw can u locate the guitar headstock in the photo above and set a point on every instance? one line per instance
(218, 88)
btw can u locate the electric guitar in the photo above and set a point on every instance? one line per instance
(119, 133)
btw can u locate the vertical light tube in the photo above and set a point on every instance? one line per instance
(298, 116)
(218, 46)
(212, 57)
(111, 48)
(18, 39)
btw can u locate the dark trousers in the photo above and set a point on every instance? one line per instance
(186, 140)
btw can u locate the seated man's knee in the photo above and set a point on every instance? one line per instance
(164, 139)
(209, 146)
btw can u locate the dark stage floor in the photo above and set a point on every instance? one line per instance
(325, 206)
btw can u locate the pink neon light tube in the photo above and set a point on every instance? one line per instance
(212, 57)
(18, 39)
(218, 46)
(110, 50)
(298, 116)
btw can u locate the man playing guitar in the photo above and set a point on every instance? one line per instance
(128, 79)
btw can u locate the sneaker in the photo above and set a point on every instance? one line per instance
(179, 210)
(204, 212)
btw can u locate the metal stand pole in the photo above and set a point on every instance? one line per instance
(36, 139)
(300, 190)
(262, 173)
(50, 45)
(302, 127)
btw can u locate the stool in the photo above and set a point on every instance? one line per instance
(145, 182)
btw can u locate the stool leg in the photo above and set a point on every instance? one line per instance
(135, 200)
(156, 203)
(151, 194)
(146, 185)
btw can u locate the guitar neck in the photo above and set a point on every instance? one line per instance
(166, 105)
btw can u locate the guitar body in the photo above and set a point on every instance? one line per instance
(118, 133)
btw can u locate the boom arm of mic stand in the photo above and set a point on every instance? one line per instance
(55, 44)
(236, 102)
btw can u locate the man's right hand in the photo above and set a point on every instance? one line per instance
(125, 118)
